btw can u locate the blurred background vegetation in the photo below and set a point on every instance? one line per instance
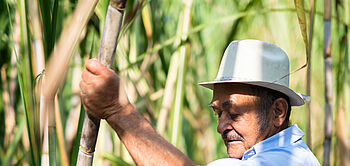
(165, 49)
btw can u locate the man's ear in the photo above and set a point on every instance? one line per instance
(279, 110)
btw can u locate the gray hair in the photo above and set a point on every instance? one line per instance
(265, 99)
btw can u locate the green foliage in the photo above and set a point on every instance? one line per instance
(75, 149)
(115, 160)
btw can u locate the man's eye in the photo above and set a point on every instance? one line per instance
(234, 116)
(218, 113)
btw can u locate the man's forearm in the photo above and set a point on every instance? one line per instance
(144, 144)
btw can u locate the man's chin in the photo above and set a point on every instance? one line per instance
(235, 152)
(236, 156)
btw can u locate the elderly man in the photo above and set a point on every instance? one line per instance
(251, 98)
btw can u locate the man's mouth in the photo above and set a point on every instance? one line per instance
(228, 141)
(231, 137)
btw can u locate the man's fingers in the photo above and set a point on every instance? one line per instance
(95, 67)
(87, 76)
(85, 88)
(82, 88)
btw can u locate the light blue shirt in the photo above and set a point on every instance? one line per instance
(284, 148)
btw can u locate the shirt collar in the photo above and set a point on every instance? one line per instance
(283, 138)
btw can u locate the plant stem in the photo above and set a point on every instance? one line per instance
(308, 75)
(52, 133)
(60, 137)
(168, 96)
(177, 114)
(59, 61)
(106, 55)
(328, 82)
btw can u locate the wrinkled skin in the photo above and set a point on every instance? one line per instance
(237, 112)
(101, 92)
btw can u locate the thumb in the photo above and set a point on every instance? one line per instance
(95, 67)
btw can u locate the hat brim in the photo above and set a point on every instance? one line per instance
(295, 98)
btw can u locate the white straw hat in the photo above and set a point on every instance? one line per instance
(256, 63)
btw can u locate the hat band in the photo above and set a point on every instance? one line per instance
(242, 79)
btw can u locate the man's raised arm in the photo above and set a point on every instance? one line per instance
(104, 97)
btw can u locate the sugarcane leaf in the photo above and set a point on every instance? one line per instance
(171, 40)
(53, 25)
(114, 160)
(299, 6)
(25, 99)
(76, 144)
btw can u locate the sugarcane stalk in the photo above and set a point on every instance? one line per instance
(168, 94)
(47, 126)
(106, 55)
(52, 133)
(59, 63)
(38, 50)
(328, 82)
(183, 56)
(308, 76)
(171, 80)
(341, 132)
(60, 136)
(34, 22)
(64, 48)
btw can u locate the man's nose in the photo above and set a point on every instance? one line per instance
(224, 122)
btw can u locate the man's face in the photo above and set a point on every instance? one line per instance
(237, 112)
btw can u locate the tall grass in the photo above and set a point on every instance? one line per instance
(327, 52)
(165, 48)
(308, 73)
(183, 55)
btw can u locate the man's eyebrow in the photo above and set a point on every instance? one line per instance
(223, 105)
(227, 103)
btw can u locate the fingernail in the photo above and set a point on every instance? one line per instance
(93, 60)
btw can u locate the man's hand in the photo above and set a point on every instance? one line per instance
(101, 91)
(103, 97)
